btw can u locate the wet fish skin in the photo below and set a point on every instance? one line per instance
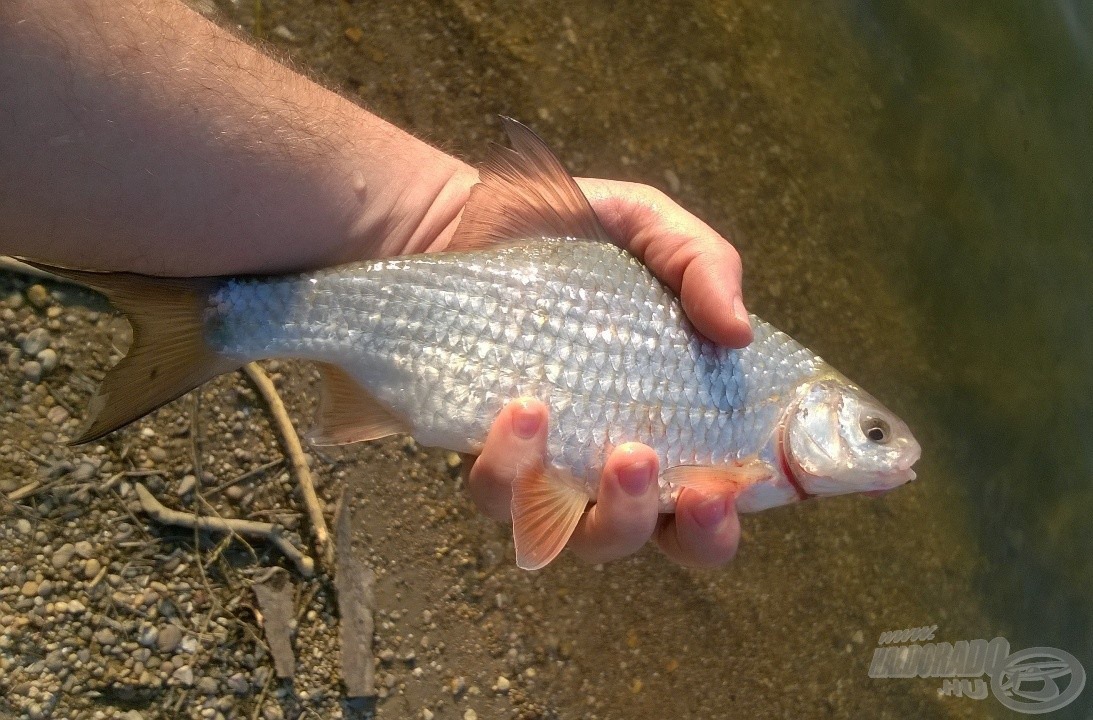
(446, 340)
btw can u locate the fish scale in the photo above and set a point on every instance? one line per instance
(445, 340)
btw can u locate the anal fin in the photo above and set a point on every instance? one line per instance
(348, 413)
(739, 475)
(547, 504)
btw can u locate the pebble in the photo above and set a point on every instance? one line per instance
(470, 715)
(32, 370)
(91, 568)
(85, 549)
(23, 526)
(458, 686)
(453, 461)
(157, 454)
(427, 714)
(184, 675)
(38, 296)
(48, 360)
(63, 555)
(36, 341)
(84, 471)
(57, 415)
(105, 636)
(149, 636)
(169, 638)
(30, 588)
(187, 484)
(14, 301)
(502, 685)
(208, 686)
(673, 181)
(284, 33)
(238, 684)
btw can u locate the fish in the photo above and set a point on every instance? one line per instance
(532, 299)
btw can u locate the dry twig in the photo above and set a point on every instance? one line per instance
(296, 456)
(248, 528)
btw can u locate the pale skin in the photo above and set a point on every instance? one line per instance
(137, 135)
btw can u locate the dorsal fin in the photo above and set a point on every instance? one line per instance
(524, 193)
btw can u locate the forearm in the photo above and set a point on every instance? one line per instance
(224, 161)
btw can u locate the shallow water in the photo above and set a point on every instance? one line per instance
(909, 184)
(988, 118)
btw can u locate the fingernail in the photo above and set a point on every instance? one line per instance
(636, 478)
(710, 512)
(739, 311)
(526, 421)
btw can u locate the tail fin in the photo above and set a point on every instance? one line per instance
(169, 355)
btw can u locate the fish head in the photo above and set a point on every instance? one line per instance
(838, 439)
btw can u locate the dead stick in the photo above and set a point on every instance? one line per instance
(250, 528)
(296, 457)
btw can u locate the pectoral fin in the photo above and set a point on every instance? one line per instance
(546, 507)
(739, 475)
(348, 413)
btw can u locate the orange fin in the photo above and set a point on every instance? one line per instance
(348, 414)
(546, 506)
(169, 355)
(742, 474)
(523, 194)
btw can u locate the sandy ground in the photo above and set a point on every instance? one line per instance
(730, 107)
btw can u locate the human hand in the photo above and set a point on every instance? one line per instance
(703, 532)
(700, 265)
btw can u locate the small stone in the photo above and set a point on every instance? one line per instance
(45, 589)
(105, 636)
(427, 714)
(502, 685)
(91, 568)
(458, 686)
(453, 461)
(38, 296)
(284, 33)
(186, 485)
(23, 526)
(85, 549)
(157, 454)
(387, 655)
(149, 636)
(14, 301)
(35, 342)
(57, 415)
(84, 471)
(354, 34)
(235, 493)
(48, 360)
(673, 181)
(238, 684)
(470, 714)
(30, 589)
(208, 686)
(184, 675)
(858, 637)
(32, 370)
(63, 555)
(169, 638)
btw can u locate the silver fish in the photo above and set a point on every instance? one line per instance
(536, 301)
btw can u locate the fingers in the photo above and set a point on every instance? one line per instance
(625, 514)
(703, 533)
(516, 439)
(684, 252)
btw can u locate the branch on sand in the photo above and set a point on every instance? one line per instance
(353, 584)
(247, 528)
(291, 442)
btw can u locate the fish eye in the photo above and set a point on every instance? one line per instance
(876, 429)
